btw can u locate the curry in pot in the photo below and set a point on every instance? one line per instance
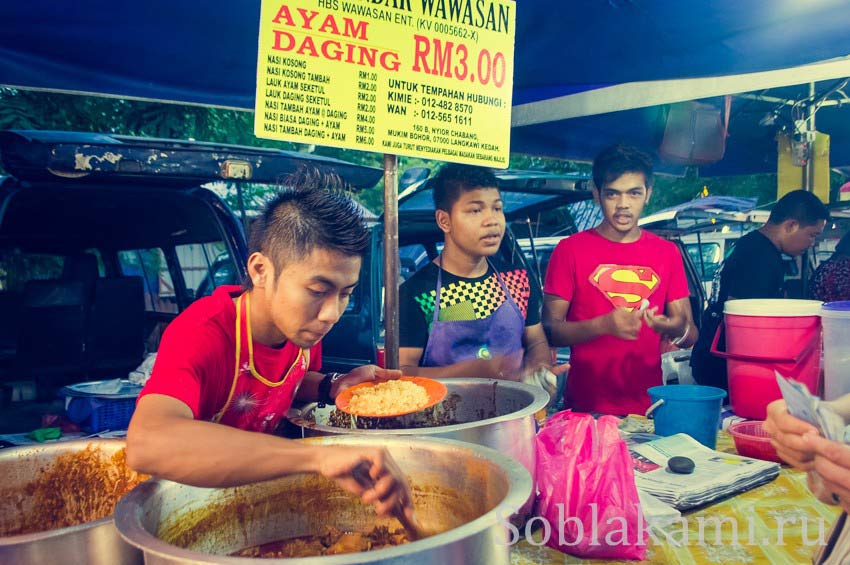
(333, 542)
(76, 488)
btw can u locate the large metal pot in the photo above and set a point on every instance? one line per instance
(467, 490)
(96, 543)
(493, 413)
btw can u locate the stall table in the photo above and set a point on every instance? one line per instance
(757, 513)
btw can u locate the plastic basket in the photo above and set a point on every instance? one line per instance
(101, 414)
(752, 441)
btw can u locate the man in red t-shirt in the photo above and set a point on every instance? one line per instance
(612, 292)
(231, 364)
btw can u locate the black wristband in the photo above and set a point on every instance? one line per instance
(325, 388)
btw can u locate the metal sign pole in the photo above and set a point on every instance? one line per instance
(809, 167)
(391, 261)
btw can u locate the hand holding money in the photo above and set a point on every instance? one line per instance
(788, 436)
(802, 404)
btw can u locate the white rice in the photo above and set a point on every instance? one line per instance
(390, 397)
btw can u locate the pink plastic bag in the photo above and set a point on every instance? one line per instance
(586, 489)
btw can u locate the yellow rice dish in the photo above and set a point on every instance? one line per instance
(391, 397)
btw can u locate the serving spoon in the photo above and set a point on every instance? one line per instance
(414, 530)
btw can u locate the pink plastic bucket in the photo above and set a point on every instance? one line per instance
(763, 336)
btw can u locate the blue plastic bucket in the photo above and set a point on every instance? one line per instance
(687, 409)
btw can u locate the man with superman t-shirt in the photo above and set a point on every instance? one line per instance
(612, 292)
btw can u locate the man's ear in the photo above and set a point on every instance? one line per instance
(260, 269)
(648, 194)
(595, 192)
(444, 221)
(790, 226)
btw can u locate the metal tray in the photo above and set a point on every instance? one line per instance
(92, 389)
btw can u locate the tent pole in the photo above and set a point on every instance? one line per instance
(391, 261)
(701, 260)
(808, 184)
(534, 250)
(809, 167)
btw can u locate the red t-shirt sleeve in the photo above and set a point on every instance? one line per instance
(560, 274)
(185, 354)
(678, 281)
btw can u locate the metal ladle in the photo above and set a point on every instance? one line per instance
(364, 479)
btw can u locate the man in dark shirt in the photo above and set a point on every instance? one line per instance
(756, 270)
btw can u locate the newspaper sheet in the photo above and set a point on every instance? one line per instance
(716, 475)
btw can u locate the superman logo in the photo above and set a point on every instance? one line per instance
(625, 285)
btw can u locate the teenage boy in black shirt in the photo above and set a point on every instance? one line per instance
(465, 314)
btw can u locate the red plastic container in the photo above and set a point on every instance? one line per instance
(763, 336)
(752, 441)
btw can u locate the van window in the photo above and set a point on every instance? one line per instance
(205, 267)
(712, 257)
(151, 265)
(18, 268)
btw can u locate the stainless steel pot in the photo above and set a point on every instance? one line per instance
(465, 489)
(96, 543)
(493, 413)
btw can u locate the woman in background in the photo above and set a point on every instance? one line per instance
(831, 280)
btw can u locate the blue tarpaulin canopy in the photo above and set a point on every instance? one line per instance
(713, 204)
(610, 73)
(205, 53)
(576, 126)
(704, 215)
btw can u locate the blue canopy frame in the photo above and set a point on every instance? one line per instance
(205, 53)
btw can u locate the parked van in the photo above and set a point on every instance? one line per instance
(104, 239)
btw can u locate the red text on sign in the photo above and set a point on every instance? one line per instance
(336, 51)
(329, 23)
(449, 60)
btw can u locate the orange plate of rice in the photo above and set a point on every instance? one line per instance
(396, 397)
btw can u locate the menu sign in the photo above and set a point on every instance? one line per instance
(424, 78)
